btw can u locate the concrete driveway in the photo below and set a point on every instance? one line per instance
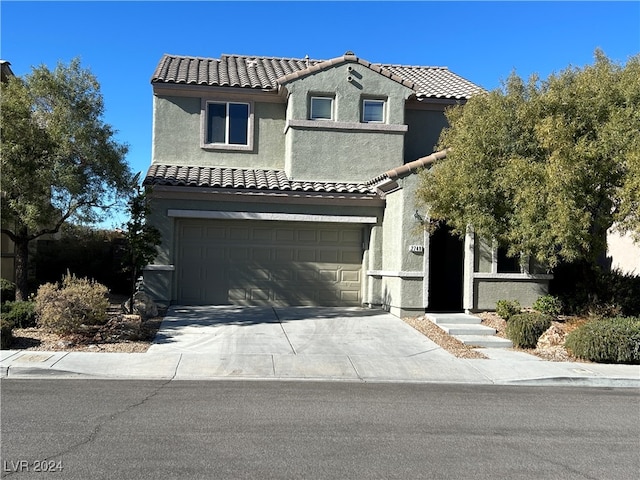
(300, 343)
(235, 330)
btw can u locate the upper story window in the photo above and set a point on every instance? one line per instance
(228, 124)
(373, 111)
(321, 108)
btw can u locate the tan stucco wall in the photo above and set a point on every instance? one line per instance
(177, 130)
(350, 153)
(349, 156)
(424, 127)
(488, 291)
(402, 295)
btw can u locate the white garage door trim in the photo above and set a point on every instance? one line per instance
(285, 217)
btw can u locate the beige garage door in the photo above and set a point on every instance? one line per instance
(268, 263)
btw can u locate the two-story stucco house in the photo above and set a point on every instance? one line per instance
(291, 181)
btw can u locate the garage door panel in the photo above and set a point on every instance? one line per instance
(284, 254)
(350, 257)
(347, 296)
(351, 276)
(306, 255)
(329, 236)
(262, 263)
(328, 256)
(239, 233)
(280, 275)
(285, 235)
(238, 253)
(262, 234)
(328, 275)
(351, 236)
(307, 236)
(261, 254)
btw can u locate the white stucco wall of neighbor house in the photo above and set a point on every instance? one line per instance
(623, 252)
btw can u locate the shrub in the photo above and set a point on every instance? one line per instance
(21, 314)
(507, 308)
(6, 333)
(583, 288)
(524, 329)
(548, 304)
(7, 290)
(65, 306)
(612, 340)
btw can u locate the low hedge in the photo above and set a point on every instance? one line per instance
(524, 329)
(508, 308)
(21, 314)
(6, 334)
(548, 304)
(609, 340)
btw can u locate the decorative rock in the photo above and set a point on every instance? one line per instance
(553, 337)
(143, 305)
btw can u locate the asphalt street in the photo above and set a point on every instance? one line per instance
(117, 429)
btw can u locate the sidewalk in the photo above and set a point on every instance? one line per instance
(504, 367)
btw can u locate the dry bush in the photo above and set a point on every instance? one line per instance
(63, 307)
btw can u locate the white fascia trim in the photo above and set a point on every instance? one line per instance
(512, 276)
(282, 217)
(160, 268)
(395, 273)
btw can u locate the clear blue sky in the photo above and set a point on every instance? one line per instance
(122, 42)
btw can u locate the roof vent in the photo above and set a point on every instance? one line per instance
(306, 59)
(349, 52)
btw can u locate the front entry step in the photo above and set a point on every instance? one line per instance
(468, 330)
(453, 318)
(484, 341)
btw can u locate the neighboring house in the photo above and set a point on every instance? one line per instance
(282, 181)
(623, 253)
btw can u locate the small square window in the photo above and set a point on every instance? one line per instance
(321, 108)
(372, 111)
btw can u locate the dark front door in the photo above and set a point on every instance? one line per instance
(446, 255)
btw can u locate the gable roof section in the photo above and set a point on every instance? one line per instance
(243, 179)
(268, 73)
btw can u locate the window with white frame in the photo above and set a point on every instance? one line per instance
(321, 108)
(227, 123)
(373, 111)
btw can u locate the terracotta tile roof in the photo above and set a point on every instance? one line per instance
(268, 73)
(241, 179)
(407, 169)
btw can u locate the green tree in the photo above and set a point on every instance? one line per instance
(60, 161)
(544, 167)
(142, 238)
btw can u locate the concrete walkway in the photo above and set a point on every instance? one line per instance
(294, 343)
